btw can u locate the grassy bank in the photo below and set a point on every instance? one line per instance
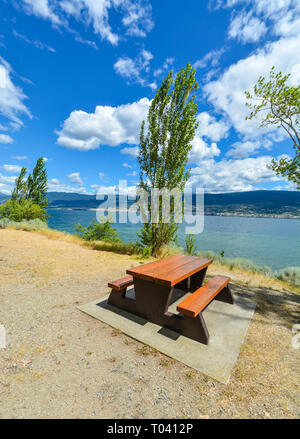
(239, 269)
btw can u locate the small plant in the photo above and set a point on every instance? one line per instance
(190, 244)
(290, 274)
(98, 232)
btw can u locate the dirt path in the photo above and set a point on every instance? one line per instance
(62, 363)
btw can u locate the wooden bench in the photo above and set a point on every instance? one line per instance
(121, 284)
(216, 288)
(118, 290)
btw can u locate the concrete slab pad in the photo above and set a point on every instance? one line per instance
(227, 325)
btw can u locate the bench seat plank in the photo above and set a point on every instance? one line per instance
(120, 284)
(196, 302)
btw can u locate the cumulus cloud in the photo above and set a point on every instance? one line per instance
(133, 69)
(247, 28)
(133, 151)
(12, 168)
(7, 184)
(136, 15)
(20, 157)
(227, 93)
(244, 149)
(165, 67)
(54, 185)
(201, 150)
(110, 126)
(211, 128)
(232, 175)
(11, 96)
(212, 59)
(4, 138)
(76, 179)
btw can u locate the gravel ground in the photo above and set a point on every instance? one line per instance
(61, 363)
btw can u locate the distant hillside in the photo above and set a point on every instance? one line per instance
(264, 203)
(254, 203)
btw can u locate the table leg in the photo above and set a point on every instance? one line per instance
(197, 280)
(225, 295)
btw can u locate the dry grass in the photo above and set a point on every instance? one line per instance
(62, 363)
(236, 274)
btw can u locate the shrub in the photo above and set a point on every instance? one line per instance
(290, 274)
(190, 245)
(98, 232)
(35, 224)
(124, 248)
(23, 209)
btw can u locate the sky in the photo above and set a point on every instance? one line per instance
(77, 78)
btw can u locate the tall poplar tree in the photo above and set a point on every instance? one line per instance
(165, 143)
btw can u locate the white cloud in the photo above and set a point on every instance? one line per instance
(41, 8)
(12, 168)
(280, 17)
(11, 96)
(106, 126)
(36, 43)
(212, 58)
(101, 175)
(211, 128)
(20, 157)
(247, 28)
(227, 93)
(244, 149)
(132, 174)
(54, 185)
(136, 15)
(133, 69)
(200, 150)
(75, 179)
(4, 138)
(7, 184)
(232, 175)
(165, 67)
(132, 151)
(126, 165)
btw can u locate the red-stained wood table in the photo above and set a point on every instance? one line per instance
(154, 285)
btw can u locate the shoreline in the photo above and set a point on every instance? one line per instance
(228, 214)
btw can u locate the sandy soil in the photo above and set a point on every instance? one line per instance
(61, 363)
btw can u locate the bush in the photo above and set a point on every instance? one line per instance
(290, 274)
(190, 245)
(124, 248)
(35, 224)
(23, 209)
(98, 232)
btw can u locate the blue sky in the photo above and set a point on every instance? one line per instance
(77, 77)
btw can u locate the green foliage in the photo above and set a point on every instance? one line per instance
(279, 105)
(98, 232)
(34, 224)
(190, 245)
(29, 197)
(37, 184)
(164, 148)
(290, 274)
(123, 248)
(22, 209)
(20, 190)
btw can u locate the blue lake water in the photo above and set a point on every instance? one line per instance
(266, 241)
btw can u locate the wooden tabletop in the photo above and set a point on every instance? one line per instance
(170, 271)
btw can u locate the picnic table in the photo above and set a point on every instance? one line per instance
(159, 284)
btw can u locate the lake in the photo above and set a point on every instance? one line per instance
(267, 241)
